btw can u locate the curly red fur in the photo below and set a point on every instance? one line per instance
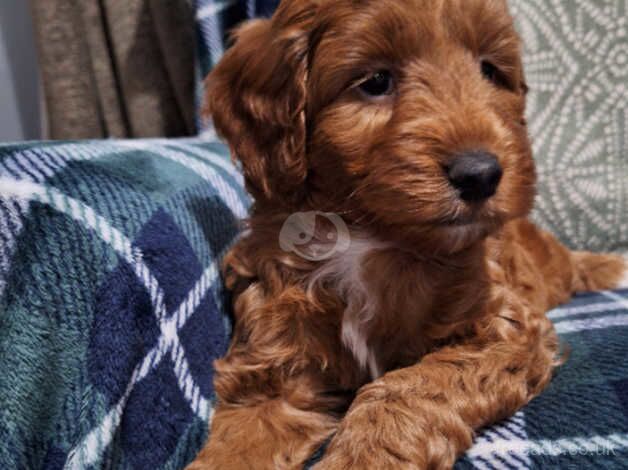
(432, 324)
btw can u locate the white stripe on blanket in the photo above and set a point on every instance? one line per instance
(510, 429)
(597, 307)
(227, 193)
(216, 159)
(213, 9)
(598, 323)
(617, 298)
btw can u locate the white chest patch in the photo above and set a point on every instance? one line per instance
(345, 271)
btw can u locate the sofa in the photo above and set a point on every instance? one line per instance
(112, 306)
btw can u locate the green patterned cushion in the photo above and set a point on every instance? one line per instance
(576, 57)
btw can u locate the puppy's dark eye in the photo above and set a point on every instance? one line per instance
(379, 84)
(493, 74)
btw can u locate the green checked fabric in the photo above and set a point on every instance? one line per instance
(111, 302)
(112, 310)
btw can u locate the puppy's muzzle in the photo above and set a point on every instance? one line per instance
(475, 174)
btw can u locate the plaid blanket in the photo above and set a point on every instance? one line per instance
(581, 420)
(111, 303)
(112, 309)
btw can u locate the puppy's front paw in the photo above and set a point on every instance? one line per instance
(390, 425)
(378, 434)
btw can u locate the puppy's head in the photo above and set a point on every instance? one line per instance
(404, 116)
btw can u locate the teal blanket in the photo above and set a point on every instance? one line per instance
(112, 310)
(111, 303)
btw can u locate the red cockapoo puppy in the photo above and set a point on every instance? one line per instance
(391, 292)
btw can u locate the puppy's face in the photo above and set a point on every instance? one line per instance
(405, 116)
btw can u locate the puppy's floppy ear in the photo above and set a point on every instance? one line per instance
(257, 98)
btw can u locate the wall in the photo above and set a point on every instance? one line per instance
(20, 108)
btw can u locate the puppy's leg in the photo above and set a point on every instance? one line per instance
(599, 271)
(423, 417)
(564, 272)
(271, 435)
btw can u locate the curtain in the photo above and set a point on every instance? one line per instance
(116, 68)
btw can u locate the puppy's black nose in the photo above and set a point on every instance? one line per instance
(476, 174)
